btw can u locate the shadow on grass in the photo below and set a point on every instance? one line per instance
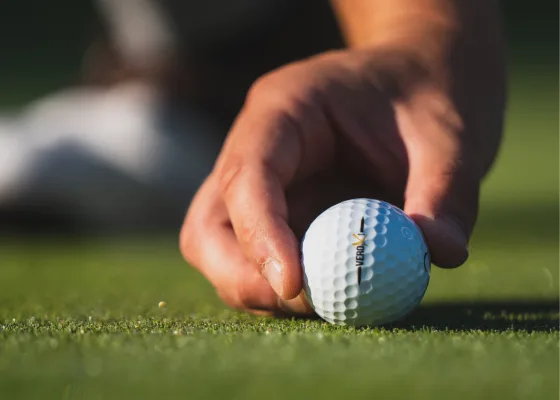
(516, 315)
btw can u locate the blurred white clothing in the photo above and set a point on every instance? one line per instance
(114, 158)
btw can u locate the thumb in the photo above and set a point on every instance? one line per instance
(442, 197)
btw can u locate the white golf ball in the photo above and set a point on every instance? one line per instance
(365, 262)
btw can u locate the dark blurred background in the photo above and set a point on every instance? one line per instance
(47, 46)
(42, 44)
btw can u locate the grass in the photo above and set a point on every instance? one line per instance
(79, 317)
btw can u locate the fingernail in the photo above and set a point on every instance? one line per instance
(272, 272)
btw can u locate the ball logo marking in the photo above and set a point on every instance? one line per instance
(360, 245)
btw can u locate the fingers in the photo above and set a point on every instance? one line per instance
(209, 244)
(257, 208)
(442, 197)
(265, 152)
(297, 305)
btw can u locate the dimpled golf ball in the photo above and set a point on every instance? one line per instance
(365, 262)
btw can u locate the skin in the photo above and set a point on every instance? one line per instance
(411, 113)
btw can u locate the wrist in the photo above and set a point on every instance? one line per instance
(446, 39)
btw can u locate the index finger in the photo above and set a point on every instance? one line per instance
(270, 147)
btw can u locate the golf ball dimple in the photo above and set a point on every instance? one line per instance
(365, 262)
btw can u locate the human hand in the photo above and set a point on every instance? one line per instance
(338, 126)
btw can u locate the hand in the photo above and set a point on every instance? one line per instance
(338, 126)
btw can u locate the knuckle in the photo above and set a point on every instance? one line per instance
(186, 239)
(265, 88)
(260, 85)
(196, 219)
(229, 175)
(276, 90)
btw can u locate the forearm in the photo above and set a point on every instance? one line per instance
(375, 22)
(433, 31)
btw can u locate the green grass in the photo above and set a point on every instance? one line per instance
(79, 318)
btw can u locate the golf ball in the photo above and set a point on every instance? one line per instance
(365, 262)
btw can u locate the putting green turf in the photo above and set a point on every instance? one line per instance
(79, 318)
